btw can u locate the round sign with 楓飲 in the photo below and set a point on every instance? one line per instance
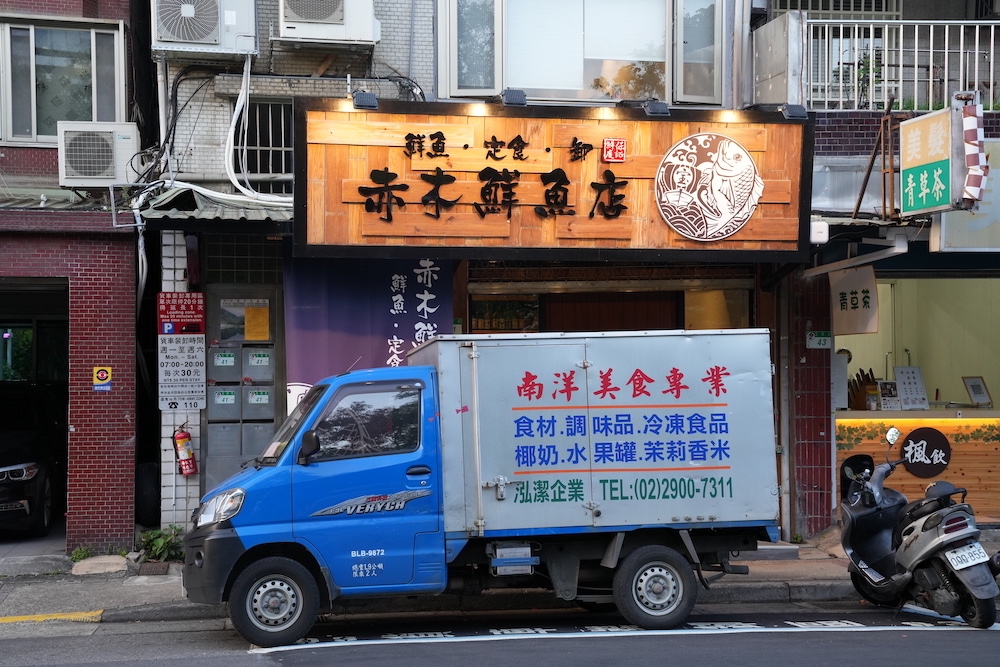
(926, 452)
(707, 187)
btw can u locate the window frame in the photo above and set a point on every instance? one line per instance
(673, 57)
(451, 42)
(114, 28)
(680, 95)
(349, 391)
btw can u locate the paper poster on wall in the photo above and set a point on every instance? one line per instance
(244, 319)
(257, 323)
(888, 396)
(854, 301)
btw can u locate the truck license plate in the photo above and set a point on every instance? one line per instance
(967, 556)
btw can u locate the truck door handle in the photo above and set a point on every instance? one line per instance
(419, 470)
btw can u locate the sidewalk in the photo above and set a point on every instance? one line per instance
(46, 585)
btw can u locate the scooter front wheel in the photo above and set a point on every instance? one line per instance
(872, 594)
(978, 613)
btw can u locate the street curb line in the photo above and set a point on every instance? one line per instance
(78, 616)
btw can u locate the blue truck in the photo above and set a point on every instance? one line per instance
(608, 467)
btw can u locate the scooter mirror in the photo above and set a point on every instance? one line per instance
(892, 435)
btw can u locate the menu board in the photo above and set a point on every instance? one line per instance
(910, 385)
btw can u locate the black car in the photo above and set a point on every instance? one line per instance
(33, 439)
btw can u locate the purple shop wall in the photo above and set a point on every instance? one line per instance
(344, 313)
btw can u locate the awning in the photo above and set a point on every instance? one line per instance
(185, 209)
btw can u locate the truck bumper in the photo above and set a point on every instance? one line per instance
(209, 556)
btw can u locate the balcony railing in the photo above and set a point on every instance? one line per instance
(916, 64)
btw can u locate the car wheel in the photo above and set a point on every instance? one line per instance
(274, 602)
(41, 520)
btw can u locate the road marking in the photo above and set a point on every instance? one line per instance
(84, 616)
(443, 638)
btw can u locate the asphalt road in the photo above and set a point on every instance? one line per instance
(826, 634)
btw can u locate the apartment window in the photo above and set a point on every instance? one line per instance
(699, 35)
(566, 50)
(54, 73)
(263, 159)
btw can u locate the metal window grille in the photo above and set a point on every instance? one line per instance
(843, 9)
(266, 159)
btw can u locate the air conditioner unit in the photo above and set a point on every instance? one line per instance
(204, 27)
(93, 154)
(330, 21)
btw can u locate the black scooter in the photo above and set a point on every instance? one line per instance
(925, 552)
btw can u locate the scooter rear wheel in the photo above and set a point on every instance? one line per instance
(872, 594)
(978, 613)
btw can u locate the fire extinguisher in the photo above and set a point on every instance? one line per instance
(186, 464)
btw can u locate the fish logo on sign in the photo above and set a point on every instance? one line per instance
(707, 187)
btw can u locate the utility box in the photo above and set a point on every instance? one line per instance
(258, 364)
(224, 364)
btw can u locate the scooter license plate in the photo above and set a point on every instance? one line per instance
(967, 556)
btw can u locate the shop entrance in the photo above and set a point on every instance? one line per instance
(505, 297)
(34, 372)
(612, 311)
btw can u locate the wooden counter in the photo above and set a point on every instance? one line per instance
(974, 436)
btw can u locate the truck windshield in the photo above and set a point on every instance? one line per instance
(291, 425)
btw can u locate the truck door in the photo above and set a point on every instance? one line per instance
(369, 499)
(532, 411)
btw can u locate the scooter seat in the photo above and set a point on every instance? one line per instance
(917, 510)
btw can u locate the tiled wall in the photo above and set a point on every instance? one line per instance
(179, 494)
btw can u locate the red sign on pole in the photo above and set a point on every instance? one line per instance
(180, 312)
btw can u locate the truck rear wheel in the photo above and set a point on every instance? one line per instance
(654, 588)
(274, 602)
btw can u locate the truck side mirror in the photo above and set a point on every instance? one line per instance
(310, 445)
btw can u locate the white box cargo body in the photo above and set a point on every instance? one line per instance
(598, 432)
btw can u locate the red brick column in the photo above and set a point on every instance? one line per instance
(810, 420)
(102, 332)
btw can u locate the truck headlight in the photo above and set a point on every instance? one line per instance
(219, 507)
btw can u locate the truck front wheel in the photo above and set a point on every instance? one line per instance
(274, 602)
(654, 588)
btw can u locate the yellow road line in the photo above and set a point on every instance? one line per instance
(84, 616)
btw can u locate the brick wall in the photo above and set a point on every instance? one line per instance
(23, 165)
(104, 9)
(102, 278)
(811, 447)
(856, 132)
